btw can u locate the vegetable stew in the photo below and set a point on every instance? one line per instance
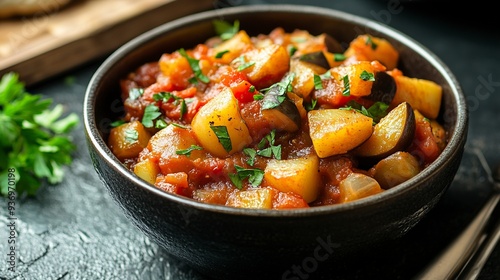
(277, 121)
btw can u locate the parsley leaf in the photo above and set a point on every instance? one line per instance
(376, 111)
(135, 93)
(367, 76)
(221, 54)
(347, 86)
(338, 57)
(278, 92)
(151, 112)
(254, 176)
(225, 30)
(34, 139)
(195, 66)
(369, 42)
(223, 136)
(187, 152)
(244, 64)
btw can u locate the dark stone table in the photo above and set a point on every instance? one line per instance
(75, 231)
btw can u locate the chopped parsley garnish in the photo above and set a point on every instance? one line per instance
(195, 66)
(151, 112)
(223, 136)
(244, 64)
(318, 83)
(251, 153)
(160, 123)
(367, 76)
(117, 123)
(135, 93)
(279, 90)
(254, 176)
(251, 89)
(369, 42)
(312, 105)
(258, 96)
(221, 54)
(376, 111)
(187, 152)
(347, 86)
(339, 57)
(35, 140)
(225, 30)
(179, 125)
(131, 135)
(167, 96)
(164, 96)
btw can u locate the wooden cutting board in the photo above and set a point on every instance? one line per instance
(48, 43)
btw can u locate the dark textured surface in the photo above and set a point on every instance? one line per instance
(75, 231)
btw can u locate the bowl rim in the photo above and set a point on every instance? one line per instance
(454, 145)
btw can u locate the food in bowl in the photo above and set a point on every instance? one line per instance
(277, 121)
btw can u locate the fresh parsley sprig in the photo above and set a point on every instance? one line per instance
(225, 30)
(376, 111)
(34, 138)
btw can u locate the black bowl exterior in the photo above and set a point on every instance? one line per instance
(230, 243)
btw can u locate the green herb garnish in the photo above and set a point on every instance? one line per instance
(318, 83)
(347, 86)
(376, 111)
(221, 54)
(339, 57)
(34, 139)
(369, 42)
(223, 136)
(367, 76)
(131, 135)
(187, 152)
(254, 176)
(279, 89)
(244, 64)
(195, 66)
(312, 105)
(151, 112)
(117, 123)
(225, 30)
(135, 93)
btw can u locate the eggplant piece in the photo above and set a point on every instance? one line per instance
(332, 44)
(383, 88)
(285, 116)
(316, 58)
(394, 132)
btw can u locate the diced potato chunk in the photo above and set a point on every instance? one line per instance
(221, 111)
(356, 186)
(395, 169)
(367, 47)
(235, 46)
(299, 175)
(128, 140)
(260, 198)
(336, 131)
(147, 170)
(423, 95)
(357, 76)
(270, 63)
(165, 144)
(303, 84)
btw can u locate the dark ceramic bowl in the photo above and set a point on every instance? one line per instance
(231, 243)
